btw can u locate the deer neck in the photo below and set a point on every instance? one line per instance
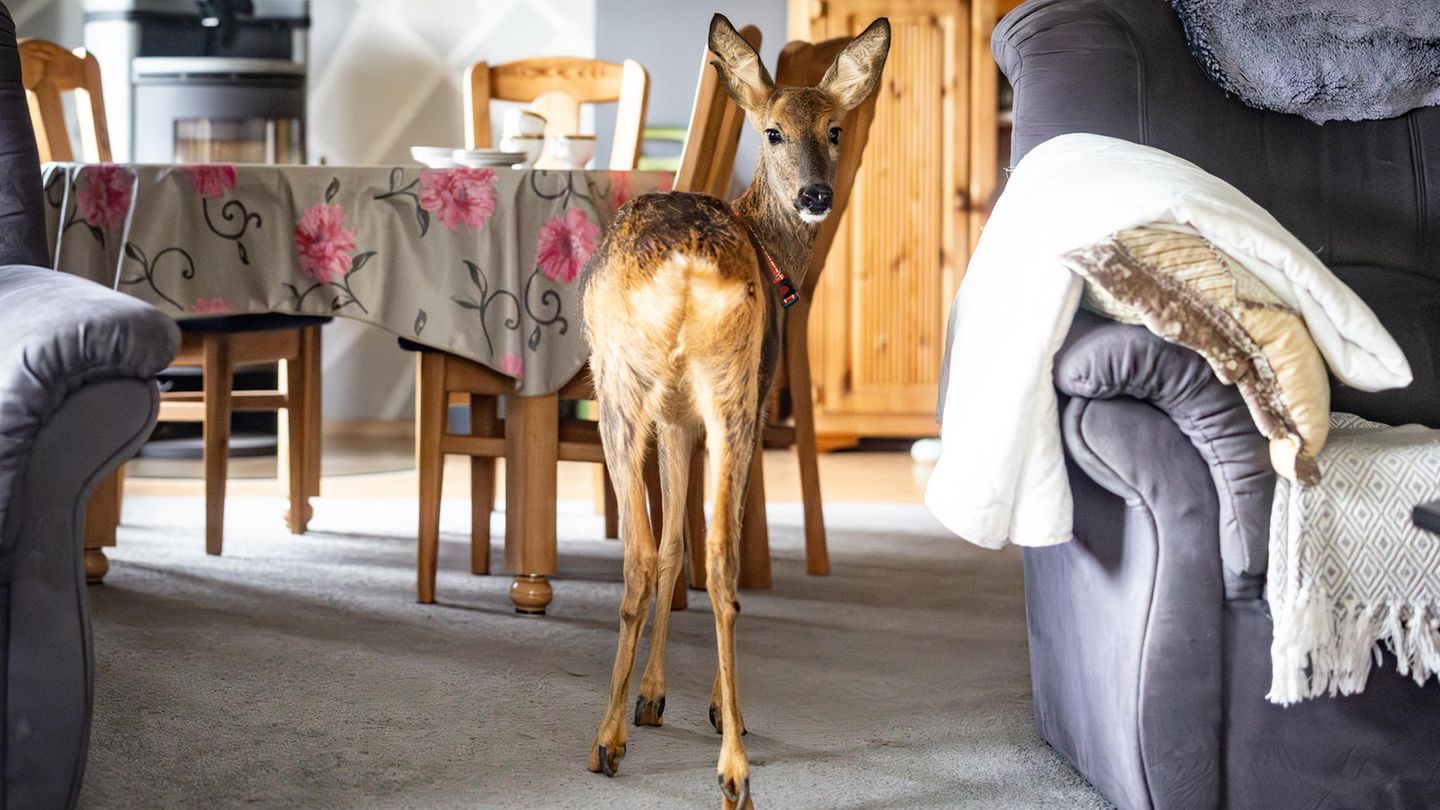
(787, 238)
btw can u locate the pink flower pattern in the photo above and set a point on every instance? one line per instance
(211, 180)
(209, 306)
(620, 190)
(459, 195)
(512, 364)
(104, 197)
(565, 244)
(323, 242)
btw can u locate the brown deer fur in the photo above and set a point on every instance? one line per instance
(684, 328)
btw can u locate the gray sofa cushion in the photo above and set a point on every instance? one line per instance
(22, 219)
(1409, 307)
(57, 333)
(1102, 359)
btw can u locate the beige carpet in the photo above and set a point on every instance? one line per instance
(299, 672)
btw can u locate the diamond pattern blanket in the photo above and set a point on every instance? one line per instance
(1350, 575)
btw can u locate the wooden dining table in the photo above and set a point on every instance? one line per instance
(484, 263)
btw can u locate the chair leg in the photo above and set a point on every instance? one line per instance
(430, 407)
(797, 351)
(310, 360)
(754, 530)
(608, 504)
(695, 518)
(217, 379)
(679, 599)
(294, 461)
(483, 422)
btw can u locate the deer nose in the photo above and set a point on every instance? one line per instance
(815, 198)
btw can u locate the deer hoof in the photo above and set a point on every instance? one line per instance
(648, 712)
(605, 759)
(718, 725)
(736, 797)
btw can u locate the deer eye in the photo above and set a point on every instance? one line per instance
(773, 135)
(835, 135)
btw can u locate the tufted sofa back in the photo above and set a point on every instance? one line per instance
(1365, 196)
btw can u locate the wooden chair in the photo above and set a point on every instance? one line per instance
(217, 346)
(804, 63)
(532, 438)
(555, 87)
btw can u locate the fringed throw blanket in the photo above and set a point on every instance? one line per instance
(1325, 60)
(1349, 572)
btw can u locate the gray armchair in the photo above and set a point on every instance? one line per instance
(77, 397)
(1149, 634)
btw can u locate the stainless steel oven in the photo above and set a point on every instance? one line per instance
(189, 80)
(210, 109)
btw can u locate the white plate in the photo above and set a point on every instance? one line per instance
(477, 158)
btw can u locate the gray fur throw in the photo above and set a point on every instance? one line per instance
(1326, 60)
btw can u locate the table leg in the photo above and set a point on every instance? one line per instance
(532, 446)
(101, 517)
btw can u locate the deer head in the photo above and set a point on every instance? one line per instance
(801, 126)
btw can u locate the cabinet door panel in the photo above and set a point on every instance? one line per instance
(880, 311)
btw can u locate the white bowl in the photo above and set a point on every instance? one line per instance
(435, 157)
(524, 123)
(573, 151)
(532, 145)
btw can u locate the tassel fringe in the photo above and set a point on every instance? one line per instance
(1321, 648)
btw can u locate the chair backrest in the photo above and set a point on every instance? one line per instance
(708, 156)
(804, 64)
(555, 87)
(50, 70)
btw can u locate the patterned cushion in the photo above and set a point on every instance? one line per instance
(1183, 289)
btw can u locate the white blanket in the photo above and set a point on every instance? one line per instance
(1001, 475)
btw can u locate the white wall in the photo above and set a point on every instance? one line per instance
(385, 76)
(55, 20)
(668, 37)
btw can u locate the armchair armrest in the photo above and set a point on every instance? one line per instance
(59, 333)
(1102, 359)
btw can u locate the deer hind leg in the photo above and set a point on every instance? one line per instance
(730, 434)
(626, 436)
(676, 444)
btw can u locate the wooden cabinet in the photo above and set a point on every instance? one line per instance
(877, 327)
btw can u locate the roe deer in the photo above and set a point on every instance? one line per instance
(684, 331)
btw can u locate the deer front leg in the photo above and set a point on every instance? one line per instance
(730, 457)
(676, 444)
(716, 721)
(625, 453)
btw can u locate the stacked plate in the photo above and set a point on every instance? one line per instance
(439, 157)
(476, 158)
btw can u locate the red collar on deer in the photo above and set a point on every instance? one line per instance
(788, 293)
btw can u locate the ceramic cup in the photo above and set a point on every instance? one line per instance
(523, 123)
(573, 151)
(532, 145)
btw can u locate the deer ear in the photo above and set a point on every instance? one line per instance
(856, 71)
(741, 71)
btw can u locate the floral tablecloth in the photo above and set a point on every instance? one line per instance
(483, 263)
